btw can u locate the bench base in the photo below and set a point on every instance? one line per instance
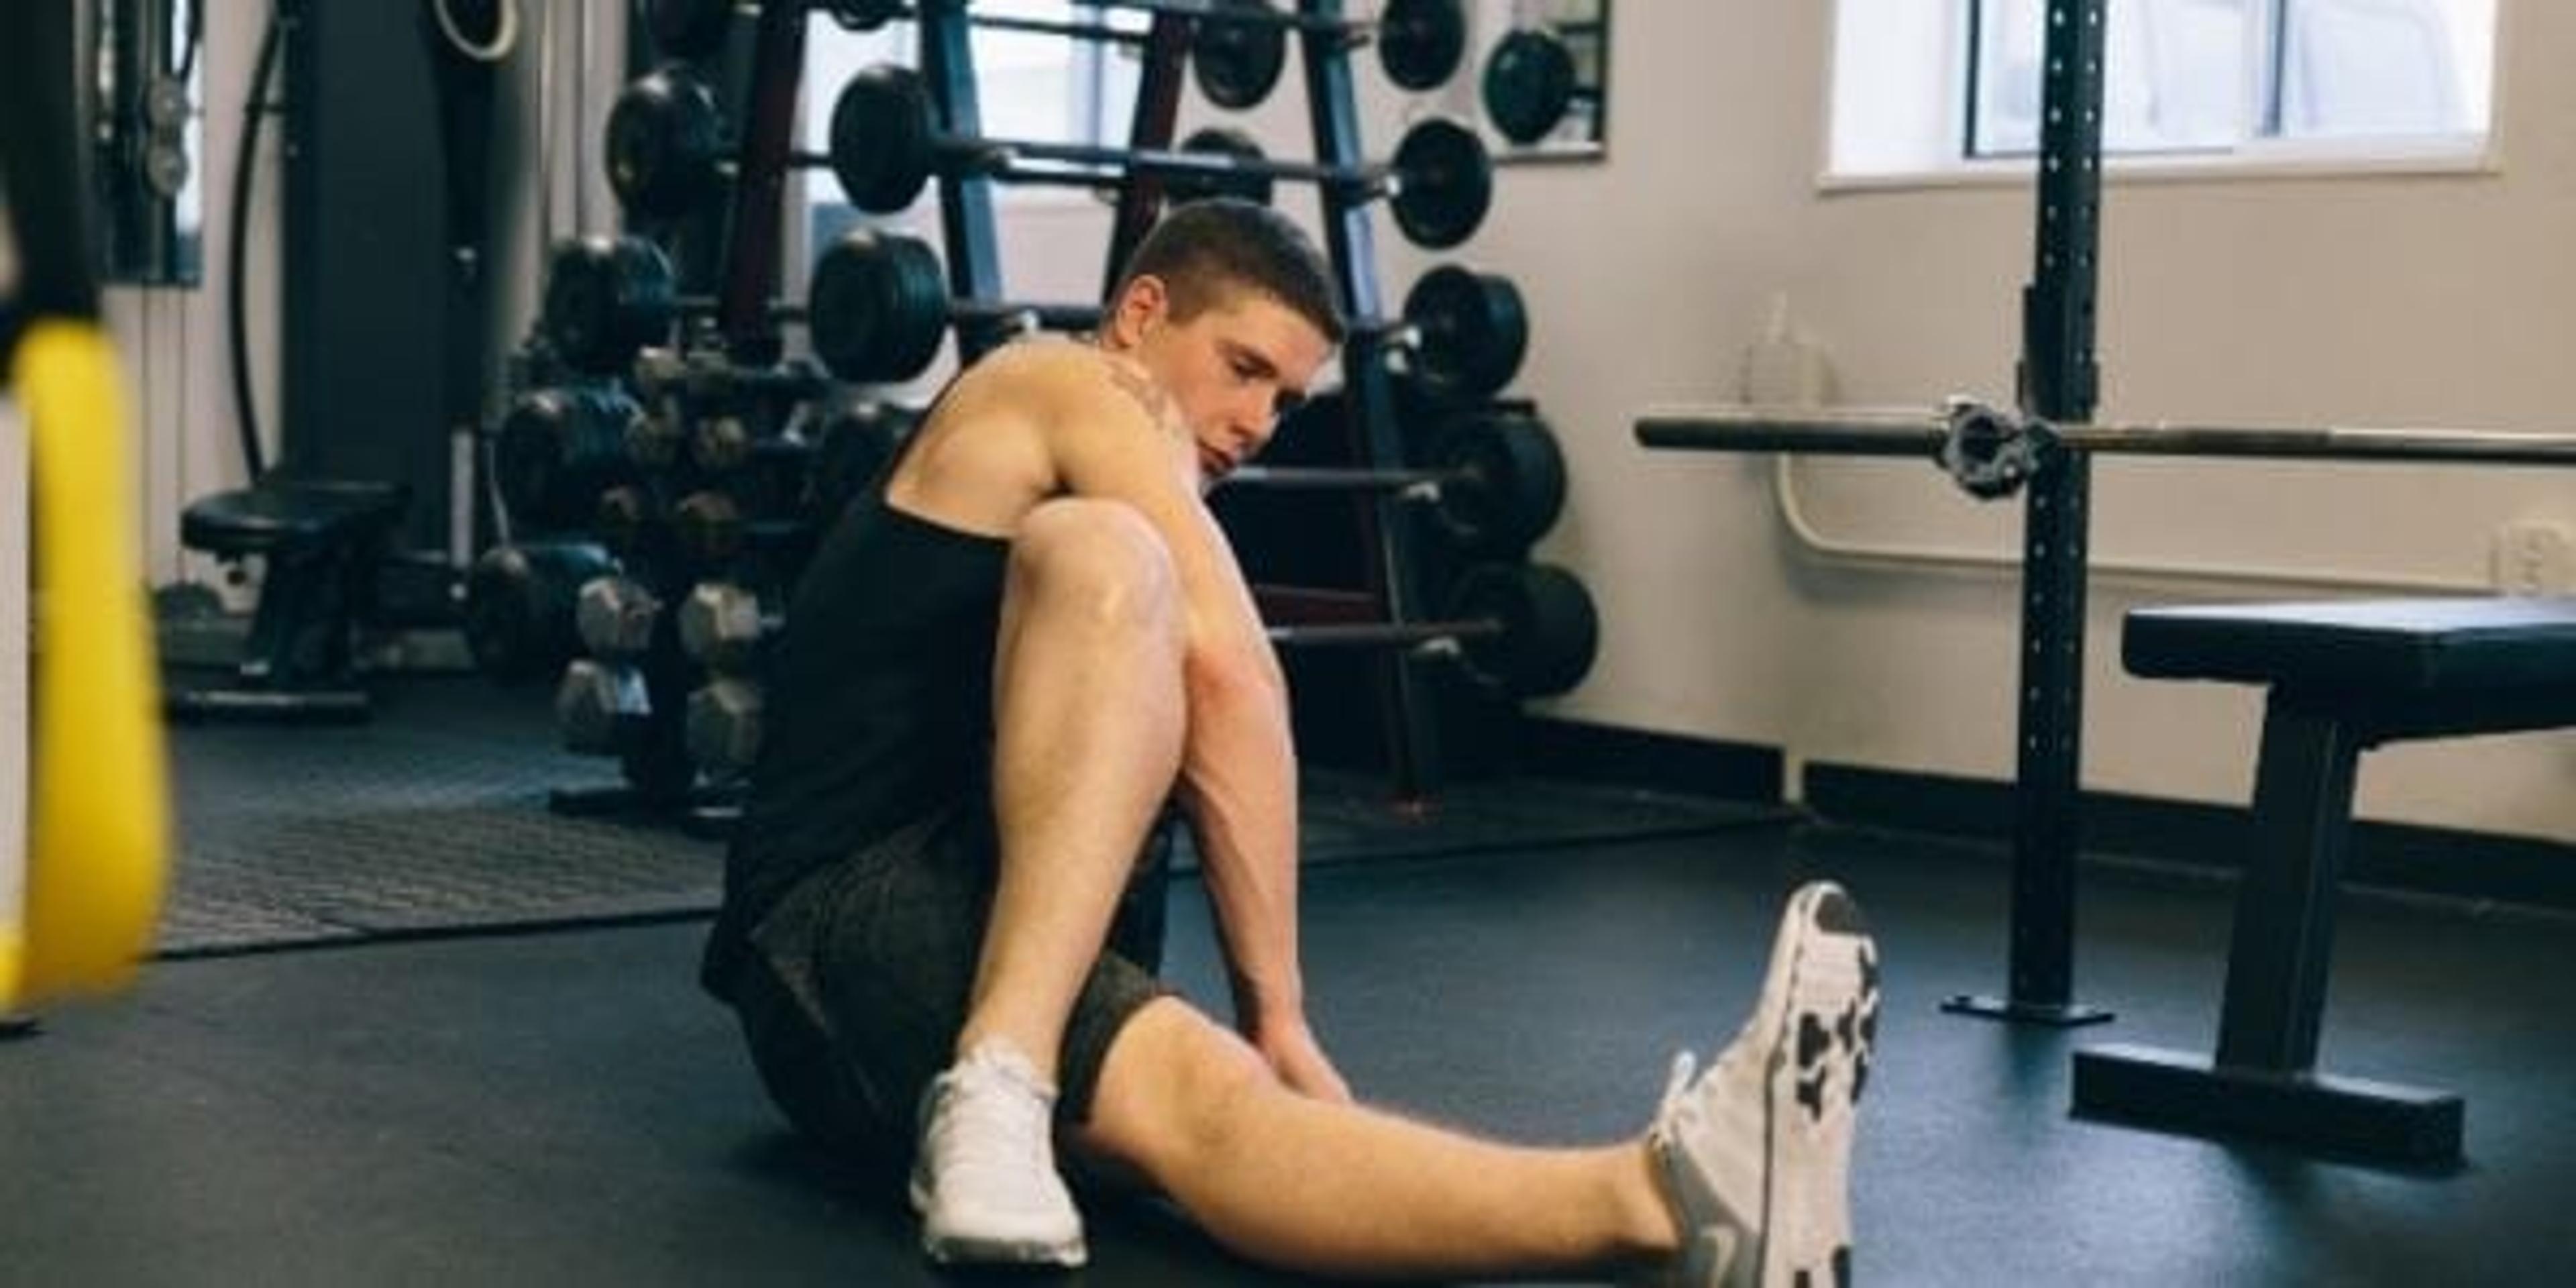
(2063, 1015)
(2352, 1117)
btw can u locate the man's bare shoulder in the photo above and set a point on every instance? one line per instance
(1081, 379)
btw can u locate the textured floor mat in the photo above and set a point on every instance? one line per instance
(432, 818)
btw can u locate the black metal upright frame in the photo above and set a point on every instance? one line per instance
(1412, 734)
(2059, 383)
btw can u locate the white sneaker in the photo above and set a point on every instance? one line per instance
(1756, 1152)
(984, 1179)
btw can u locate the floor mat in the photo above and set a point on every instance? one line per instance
(432, 819)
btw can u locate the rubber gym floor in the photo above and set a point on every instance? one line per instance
(412, 1028)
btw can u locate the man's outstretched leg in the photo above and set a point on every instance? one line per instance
(1089, 720)
(1741, 1179)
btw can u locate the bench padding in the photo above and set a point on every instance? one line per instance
(2397, 646)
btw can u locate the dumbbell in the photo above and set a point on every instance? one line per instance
(626, 519)
(711, 528)
(521, 607)
(887, 144)
(1529, 630)
(602, 708)
(558, 449)
(724, 627)
(1498, 487)
(706, 377)
(724, 726)
(879, 307)
(616, 617)
(608, 298)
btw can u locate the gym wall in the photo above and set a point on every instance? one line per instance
(2396, 299)
(2437, 299)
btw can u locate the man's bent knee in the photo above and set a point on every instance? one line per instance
(1102, 555)
(1171, 1092)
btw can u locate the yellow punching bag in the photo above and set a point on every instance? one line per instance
(98, 792)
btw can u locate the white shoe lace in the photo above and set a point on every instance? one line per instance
(1678, 1106)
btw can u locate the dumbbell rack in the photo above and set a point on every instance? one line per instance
(1414, 757)
(744, 236)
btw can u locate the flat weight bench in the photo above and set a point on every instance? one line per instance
(322, 542)
(2344, 677)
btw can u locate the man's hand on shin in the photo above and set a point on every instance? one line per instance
(1290, 1048)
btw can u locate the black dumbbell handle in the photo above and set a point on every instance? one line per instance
(1379, 634)
(1104, 163)
(1192, 9)
(1329, 478)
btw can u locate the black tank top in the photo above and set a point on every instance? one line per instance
(879, 706)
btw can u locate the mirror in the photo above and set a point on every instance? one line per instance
(1536, 78)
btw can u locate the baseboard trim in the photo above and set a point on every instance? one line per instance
(1676, 763)
(2443, 862)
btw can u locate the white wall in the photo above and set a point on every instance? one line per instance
(174, 340)
(2436, 299)
(2427, 300)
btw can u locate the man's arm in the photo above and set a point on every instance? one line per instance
(1122, 441)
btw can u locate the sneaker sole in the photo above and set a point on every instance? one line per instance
(960, 1250)
(1819, 1065)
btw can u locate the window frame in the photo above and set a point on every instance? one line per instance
(2262, 154)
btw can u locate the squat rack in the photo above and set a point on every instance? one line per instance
(2044, 452)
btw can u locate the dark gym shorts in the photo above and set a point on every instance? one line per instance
(857, 985)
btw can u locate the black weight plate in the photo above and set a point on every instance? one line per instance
(1237, 61)
(1550, 630)
(1421, 42)
(1529, 84)
(1475, 332)
(665, 139)
(1255, 188)
(878, 308)
(1516, 486)
(1444, 183)
(883, 150)
(605, 299)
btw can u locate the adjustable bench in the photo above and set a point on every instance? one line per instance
(2343, 678)
(323, 542)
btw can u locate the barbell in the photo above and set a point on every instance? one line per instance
(1990, 451)
(1498, 487)
(1238, 48)
(887, 144)
(1529, 630)
(697, 28)
(879, 307)
(667, 149)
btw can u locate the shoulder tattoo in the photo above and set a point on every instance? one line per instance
(1153, 399)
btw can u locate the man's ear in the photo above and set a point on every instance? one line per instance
(1145, 299)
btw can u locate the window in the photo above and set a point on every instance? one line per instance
(2256, 79)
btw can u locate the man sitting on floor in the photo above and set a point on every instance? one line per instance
(1009, 652)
